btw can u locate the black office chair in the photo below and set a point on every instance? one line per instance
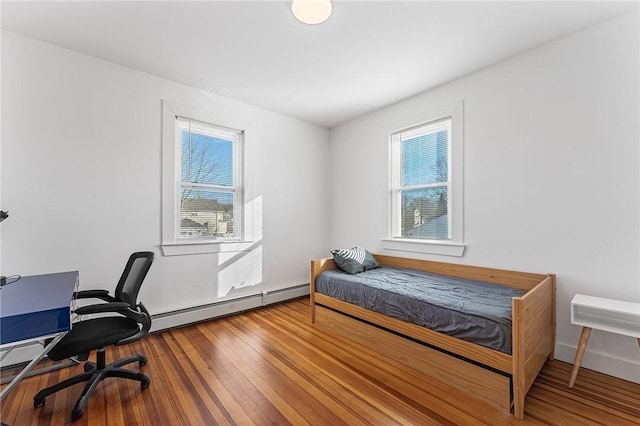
(132, 324)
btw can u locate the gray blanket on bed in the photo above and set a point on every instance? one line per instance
(474, 311)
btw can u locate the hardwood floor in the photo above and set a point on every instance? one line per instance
(271, 366)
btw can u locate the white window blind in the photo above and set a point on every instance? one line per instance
(420, 181)
(209, 180)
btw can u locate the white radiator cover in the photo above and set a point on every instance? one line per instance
(195, 314)
(182, 317)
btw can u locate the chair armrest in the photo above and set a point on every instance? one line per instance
(119, 307)
(144, 318)
(95, 294)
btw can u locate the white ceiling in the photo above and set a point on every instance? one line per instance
(369, 54)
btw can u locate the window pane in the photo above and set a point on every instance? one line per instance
(424, 213)
(206, 213)
(206, 159)
(424, 159)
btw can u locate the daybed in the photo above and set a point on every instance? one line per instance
(501, 378)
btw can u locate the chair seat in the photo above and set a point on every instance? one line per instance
(87, 335)
(129, 322)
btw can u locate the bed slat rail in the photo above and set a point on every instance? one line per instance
(317, 267)
(521, 280)
(533, 336)
(481, 354)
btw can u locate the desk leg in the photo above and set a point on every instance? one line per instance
(584, 338)
(29, 366)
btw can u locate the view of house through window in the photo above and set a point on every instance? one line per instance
(420, 181)
(209, 182)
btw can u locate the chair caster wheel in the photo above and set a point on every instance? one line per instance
(75, 415)
(38, 402)
(145, 383)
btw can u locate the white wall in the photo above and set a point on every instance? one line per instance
(81, 164)
(551, 180)
(551, 177)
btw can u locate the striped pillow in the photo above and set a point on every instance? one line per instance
(354, 260)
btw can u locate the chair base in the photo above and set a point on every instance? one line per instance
(94, 374)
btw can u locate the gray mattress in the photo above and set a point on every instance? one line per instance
(474, 311)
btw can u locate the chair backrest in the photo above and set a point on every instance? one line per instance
(131, 280)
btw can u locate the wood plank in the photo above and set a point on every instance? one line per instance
(419, 389)
(522, 280)
(490, 386)
(486, 356)
(271, 366)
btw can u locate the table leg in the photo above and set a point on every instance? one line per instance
(29, 366)
(584, 338)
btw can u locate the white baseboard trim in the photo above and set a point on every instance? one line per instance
(167, 320)
(622, 368)
(195, 314)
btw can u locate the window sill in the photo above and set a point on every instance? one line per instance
(202, 247)
(429, 247)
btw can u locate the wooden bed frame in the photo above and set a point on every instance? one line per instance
(501, 379)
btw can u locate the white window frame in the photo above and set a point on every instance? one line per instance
(172, 242)
(454, 245)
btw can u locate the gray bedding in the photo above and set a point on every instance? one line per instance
(474, 311)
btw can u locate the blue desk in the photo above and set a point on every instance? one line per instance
(36, 308)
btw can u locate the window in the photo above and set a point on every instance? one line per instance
(426, 183)
(209, 185)
(421, 181)
(202, 189)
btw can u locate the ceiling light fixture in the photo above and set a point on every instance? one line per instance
(311, 12)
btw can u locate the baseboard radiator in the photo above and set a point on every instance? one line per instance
(210, 311)
(167, 320)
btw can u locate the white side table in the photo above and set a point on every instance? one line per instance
(615, 316)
